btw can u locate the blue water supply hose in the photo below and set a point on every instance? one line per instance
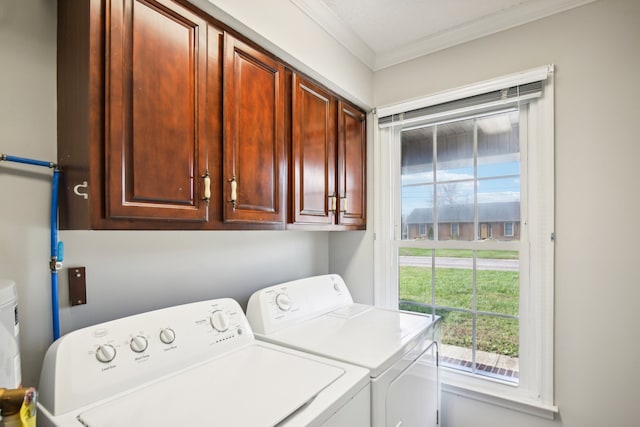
(57, 248)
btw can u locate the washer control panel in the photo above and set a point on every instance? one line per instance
(277, 307)
(102, 360)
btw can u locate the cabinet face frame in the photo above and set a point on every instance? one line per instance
(156, 84)
(313, 153)
(254, 158)
(352, 171)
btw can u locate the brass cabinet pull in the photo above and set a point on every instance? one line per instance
(333, 201)
(234, 192)
(207, 187)
(343, 204)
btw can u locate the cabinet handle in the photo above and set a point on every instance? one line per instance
(343, 204)
(234, 193)
(333, 201)
(207, 187)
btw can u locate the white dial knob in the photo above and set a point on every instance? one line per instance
(138, 343)
(105, 353)
(283, 302)
(219, 320)
(167, 335)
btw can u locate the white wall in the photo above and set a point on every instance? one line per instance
(596, 52)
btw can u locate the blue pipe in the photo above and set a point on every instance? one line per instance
(27, 161)
(56, 247)
(56, 257)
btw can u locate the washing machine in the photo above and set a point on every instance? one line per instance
(317, 315)
(194, 364)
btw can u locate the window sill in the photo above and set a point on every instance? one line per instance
(457, 384)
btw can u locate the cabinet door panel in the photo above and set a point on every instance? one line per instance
(351, 166)
(313, 153)
(156, 122)
(254, 156)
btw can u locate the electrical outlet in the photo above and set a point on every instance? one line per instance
(77, 285)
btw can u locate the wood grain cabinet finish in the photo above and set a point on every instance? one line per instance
(254, 167)
(156, 99)
(156, 111)
(352, 160)
(139, 82)
(328, 151)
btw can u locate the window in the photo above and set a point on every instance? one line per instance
(508, 229)
(461, 163)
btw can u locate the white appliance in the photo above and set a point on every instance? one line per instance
(195, 364)
(318, 315)
(10, 374)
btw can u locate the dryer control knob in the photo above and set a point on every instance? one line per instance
(219, 320)
(283, 302)
(105, 353)
(138, 343)
(167, 335)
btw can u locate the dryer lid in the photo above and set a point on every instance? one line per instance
(367, 336)
(255, 386)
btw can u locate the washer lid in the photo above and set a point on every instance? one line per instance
(367, 336)
(254, 386)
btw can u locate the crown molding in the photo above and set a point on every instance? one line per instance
(338, 29)
(491, 24)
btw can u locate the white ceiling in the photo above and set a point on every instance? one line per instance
(382, 33)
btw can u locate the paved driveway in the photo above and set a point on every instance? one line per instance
(451, 262)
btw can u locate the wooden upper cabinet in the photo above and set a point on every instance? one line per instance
(352, 160)
(313, 153)
(155, 101)
(328, 155)
(254, 166)
(156, 117)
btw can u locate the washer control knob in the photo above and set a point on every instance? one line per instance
(219, 320)
(138, 343)
(283, 302)
(167, 335)
(105, 353)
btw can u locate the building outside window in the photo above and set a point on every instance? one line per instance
(466, 170)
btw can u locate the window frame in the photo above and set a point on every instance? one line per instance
(534, 394)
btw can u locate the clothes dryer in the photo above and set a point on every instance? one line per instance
(317, 315)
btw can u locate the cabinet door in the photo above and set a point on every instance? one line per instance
(352, 157)
(155, 156)
(254, 144)
(313, 153)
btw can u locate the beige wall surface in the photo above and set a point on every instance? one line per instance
(596, 51)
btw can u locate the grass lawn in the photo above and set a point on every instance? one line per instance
(497, 292)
